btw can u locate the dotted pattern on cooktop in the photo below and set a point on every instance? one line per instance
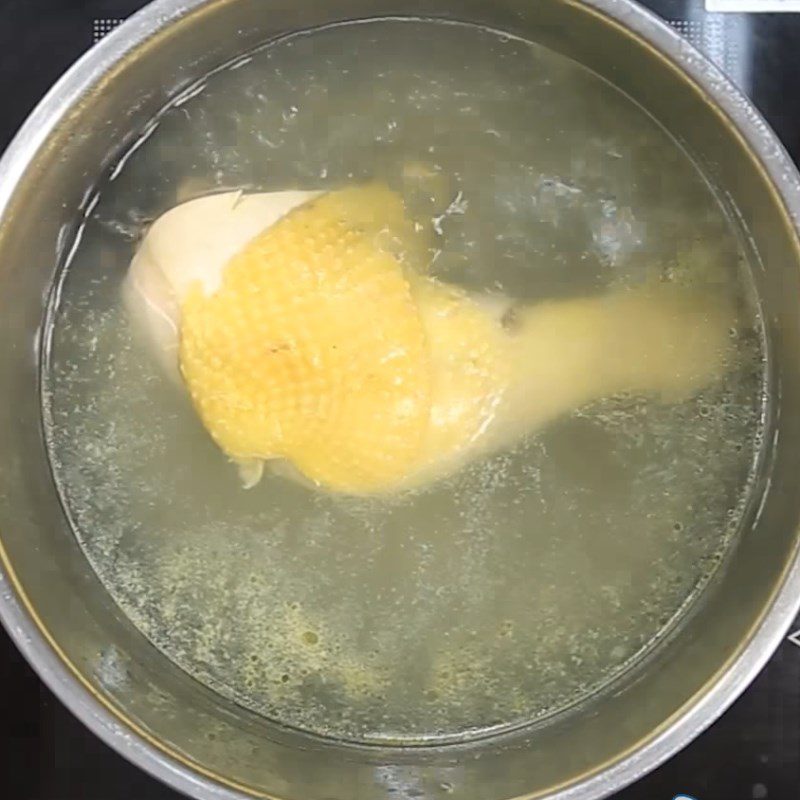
(723, 39)
(103, 26)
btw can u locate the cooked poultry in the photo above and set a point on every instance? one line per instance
(306, 330)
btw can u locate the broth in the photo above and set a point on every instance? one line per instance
(519, 585)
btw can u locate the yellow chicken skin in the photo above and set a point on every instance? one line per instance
(317, 339)
(313, 349)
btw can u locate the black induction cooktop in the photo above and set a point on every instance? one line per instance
(751, 753)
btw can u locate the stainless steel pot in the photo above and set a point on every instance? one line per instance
(126, 691)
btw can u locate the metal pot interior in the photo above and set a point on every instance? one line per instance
(195, 739)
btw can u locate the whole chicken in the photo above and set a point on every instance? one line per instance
(308, 333)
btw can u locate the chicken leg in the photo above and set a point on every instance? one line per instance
(307, 332)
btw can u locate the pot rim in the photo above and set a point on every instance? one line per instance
(108, 722)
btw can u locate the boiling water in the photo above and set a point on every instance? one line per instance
(524, 582)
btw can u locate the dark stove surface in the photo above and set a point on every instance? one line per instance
(751, 753)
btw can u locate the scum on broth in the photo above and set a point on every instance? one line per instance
(524, 582)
